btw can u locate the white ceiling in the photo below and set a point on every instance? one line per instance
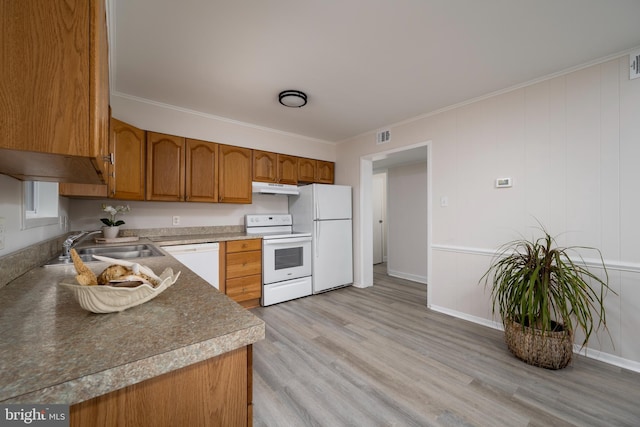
(365, 64)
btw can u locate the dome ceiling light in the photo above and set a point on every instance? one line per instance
(293, 98)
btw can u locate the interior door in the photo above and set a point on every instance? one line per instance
(379, 210)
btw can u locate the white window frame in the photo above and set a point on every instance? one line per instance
(39, 204)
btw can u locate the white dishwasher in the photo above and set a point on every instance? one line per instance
(202, 258)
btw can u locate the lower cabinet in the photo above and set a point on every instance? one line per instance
(243, 271)
(214, 392)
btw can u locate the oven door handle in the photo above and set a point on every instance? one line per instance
(278, 242)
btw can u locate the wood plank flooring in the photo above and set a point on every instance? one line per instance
(379, 357)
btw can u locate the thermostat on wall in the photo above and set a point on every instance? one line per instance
(503, 182)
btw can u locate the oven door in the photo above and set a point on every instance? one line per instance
(286, 258)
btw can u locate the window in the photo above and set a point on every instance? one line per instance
(40, 204)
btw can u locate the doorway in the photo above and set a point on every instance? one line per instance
(379, 161)
(379, 195)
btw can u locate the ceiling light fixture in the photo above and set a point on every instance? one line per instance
(293, 98)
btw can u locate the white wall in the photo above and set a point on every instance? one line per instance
(11, 210)
(570, 144)
(407, 221)
(86, 214)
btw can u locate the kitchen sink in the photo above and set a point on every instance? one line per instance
(142, 250)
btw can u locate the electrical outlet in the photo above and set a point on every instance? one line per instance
(1, 233)
(176, 220)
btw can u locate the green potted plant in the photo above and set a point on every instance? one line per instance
(111, 226)
(543, 296)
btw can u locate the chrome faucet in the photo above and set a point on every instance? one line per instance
(72, 241)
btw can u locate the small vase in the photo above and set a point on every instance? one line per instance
(110, 232)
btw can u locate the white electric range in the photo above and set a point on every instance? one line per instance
(286, 257)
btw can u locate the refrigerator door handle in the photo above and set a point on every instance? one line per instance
(316, 236)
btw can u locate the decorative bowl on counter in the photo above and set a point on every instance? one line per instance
(111, 299)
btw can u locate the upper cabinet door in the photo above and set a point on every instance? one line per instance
(287, 169)
(165, 167)
(306, 170)
(202, 171)
(265, 166)
(127, 173)
(324, 172)
(234, 174)
(54, 86)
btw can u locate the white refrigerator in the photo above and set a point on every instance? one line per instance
(325, 212)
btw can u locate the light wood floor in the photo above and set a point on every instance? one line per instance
(379, 357)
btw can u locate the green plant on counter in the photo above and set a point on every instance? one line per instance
(113, 212)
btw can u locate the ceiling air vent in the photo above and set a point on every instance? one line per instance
(634, 60)
(383, 136)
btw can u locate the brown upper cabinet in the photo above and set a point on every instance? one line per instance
(324, 172)
(306, 170)
(201, 171)
(55, 90)
(275, 167)
(165, 167)
(287, 169)
(127, 171)
(265, 166)
(234, 174)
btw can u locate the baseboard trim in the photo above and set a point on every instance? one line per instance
(407, 276)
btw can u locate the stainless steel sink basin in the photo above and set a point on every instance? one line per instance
(141, 250)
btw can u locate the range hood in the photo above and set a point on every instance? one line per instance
(273, 188)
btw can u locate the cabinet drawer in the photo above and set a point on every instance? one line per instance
(245, 288)
(244, 264)
(244, 245)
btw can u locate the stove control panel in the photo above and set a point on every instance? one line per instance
(266, 220)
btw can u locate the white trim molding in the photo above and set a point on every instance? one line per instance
(614, 265)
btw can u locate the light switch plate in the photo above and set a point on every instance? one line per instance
(503, 182)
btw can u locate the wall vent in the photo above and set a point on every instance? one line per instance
(634, 65)
(383, 136)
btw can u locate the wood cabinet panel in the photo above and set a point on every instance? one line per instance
(265, 167)
(99, 110)
(82, 190)
(245, 288)
(165, 167)
(306, 170)
(127, 172)
(54, 90)
(234, 174)
(324, 172)
(244, 245)
(287, 169)
(215, 392)
(243, 271)
(243, 264)
(274, 167)
(201, 171)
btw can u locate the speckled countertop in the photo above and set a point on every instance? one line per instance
(53, 351)
(200, 238)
